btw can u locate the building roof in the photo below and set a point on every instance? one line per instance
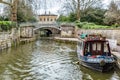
(47, 15)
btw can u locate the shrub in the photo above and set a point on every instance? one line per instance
(5, 25)
(79, 25)
(77, 21)
(86, 25)
(92, 24)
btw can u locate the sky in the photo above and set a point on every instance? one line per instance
(53, 6)
(1, 8)
(106, 3)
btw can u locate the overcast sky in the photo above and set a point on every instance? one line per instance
(1, 8)
(53, 6)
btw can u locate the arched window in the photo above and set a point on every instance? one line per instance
(55, 19)
(40, 19)
(51, 19)
(47, 19)
(44, 19)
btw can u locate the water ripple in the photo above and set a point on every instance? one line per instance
(46, 60)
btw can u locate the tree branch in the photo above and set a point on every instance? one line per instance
(1, 1)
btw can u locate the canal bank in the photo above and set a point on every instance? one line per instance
(15, 37)
(66, 40)
(7, 43)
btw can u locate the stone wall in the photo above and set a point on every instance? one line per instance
(67, 34)
(8, 39)
(110, 34)
(67, 31)
(26, 32)
(5, 40)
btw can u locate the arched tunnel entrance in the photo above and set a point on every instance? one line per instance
(48, 32)
(45, 33)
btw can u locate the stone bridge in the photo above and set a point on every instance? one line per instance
(47, 27)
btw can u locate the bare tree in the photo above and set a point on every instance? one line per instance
(13, 6)
(16, 5)
(112, 16)
(76, 6)
(78, 10)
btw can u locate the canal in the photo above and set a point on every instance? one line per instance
(47, 60)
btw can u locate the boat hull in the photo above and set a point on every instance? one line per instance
(96, 66)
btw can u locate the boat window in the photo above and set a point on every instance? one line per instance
(106, 47)
(80, 44)
(96, 46)
(87, 48)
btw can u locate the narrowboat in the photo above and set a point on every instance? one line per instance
(94, 52)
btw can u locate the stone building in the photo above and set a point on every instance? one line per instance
(48, 17)
(67, 31)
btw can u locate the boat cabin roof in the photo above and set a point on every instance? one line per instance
(95, 45)
(93, 38)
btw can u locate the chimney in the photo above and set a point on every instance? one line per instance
(49, 12)
(45, 12)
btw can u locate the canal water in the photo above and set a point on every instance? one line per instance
(47, 60)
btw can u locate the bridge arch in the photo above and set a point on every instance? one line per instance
(48, 31)
(52, 28)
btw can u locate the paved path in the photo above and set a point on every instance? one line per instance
(66, 39)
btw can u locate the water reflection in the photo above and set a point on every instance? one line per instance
(95, 75)
(47, 60)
